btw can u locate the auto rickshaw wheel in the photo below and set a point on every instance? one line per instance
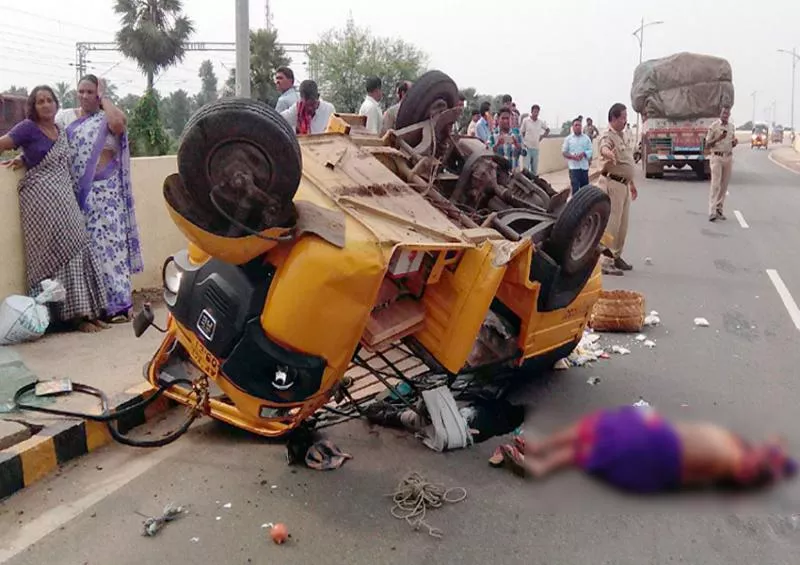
(433, 91)
(578, 230)
(241, 156)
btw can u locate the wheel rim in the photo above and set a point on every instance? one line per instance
(585, 238)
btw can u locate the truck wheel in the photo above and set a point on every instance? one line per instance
(431, 87)
(234, 138)
(578, 230)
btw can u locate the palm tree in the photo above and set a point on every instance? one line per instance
(153, 33)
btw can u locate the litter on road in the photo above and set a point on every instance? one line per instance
(154, 524)
(414, 496)
(701, 322)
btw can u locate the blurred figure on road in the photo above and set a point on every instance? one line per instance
(616, 179)
(721, 139)
(371, 107)
(284, 82)
(390, 115)
(636, 450)
(577, 150)
(533, 131)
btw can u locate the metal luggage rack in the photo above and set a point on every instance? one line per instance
(387, 368)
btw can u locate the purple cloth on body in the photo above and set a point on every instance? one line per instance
(33, 141)
(631, 448)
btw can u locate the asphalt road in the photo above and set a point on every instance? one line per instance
(740, 371)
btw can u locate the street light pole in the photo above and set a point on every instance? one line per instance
(795, 58)
(754, 107)
(639, 35)
(243, 48)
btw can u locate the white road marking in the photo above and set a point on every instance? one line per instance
(739, 217)
(783, 292)
(774, 160)
(54, 518)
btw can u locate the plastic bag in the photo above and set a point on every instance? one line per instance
(23, 318)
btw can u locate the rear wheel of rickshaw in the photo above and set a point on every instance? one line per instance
(240, 158)
(432, 92)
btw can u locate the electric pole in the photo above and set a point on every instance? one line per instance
(754, 107)
(243, 48)
(639, 35)
(795, 58)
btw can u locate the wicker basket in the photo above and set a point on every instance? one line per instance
(618, 311)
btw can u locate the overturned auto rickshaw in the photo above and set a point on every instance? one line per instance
(310, 256)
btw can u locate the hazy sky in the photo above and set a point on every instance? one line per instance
(574, 57)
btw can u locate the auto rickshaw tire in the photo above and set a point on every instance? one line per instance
(251, 124)
(429, 88)
(572, 243)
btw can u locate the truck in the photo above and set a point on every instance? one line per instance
(679, 97)
(675, 144)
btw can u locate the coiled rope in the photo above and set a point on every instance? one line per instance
(414, 496)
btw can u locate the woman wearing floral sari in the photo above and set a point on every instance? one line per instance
(101, 169)
(57, 245)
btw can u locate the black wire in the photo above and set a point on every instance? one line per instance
(243, 227)
(107, 416)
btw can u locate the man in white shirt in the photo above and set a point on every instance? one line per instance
(371, 107)
(284, 82)
(310, 114)
(532, 131)
(473, 123)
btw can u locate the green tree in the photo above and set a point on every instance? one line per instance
(128, 103)
(145, 129)
(747, 126)
(67, 96)
(16, 91)
(153, 33)
(229, 90)
(341, 60)
(175, 110)
(208, 84)
(266, 56)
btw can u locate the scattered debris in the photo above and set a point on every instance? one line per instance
(325, 455)
(650, 343)
(684, 405)
(618, 349)
(652, 319)
(641, 337)
(218, 518)
(227, 505)
(701, 322)
(562, 365)
(593, 380)
(279, 533)
(154, 524)
(414, 496)
(641, 403)
(648, 260)
(194, 540)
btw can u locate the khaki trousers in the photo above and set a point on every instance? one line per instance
(617, 228)
(720, 176)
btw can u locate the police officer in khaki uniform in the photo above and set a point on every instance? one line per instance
(720, 139)
(617, 169)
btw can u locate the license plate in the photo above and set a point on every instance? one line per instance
(206, 325)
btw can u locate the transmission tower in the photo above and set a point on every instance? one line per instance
(267, 15)
(82, 50)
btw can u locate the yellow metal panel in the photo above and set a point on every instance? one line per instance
(457, 306)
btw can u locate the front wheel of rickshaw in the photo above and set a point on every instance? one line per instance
(578, 230)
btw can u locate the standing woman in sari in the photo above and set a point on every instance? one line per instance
(101, 169)
(57, 245)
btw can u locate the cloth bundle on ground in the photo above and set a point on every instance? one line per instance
(682, 86)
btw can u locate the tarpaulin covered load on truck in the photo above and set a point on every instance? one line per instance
(682, 86)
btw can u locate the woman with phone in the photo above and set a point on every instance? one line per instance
(101, 168)
(57, 245)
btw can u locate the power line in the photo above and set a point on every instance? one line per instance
(60, 22)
